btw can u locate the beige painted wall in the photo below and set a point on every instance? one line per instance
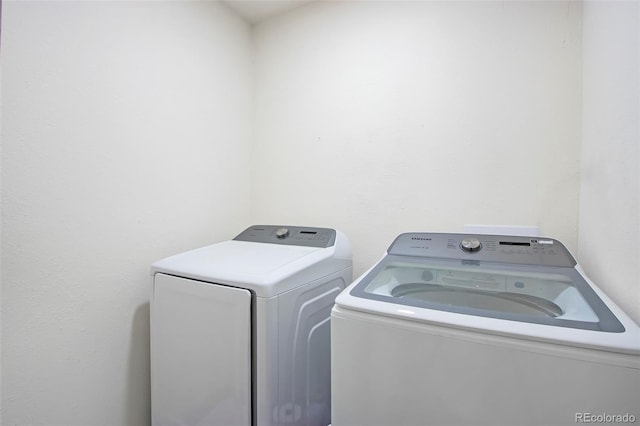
(386, 117)
(125, 138)
(610, 168)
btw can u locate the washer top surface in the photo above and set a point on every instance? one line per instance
(264, 258)
(503, 284)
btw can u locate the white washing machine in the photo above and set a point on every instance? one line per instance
(240, 329)
(450, 329)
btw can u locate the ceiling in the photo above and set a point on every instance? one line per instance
(258, 10)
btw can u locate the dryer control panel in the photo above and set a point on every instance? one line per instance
(487, 248)
(289, 235)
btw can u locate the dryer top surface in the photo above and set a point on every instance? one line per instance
(267, 268)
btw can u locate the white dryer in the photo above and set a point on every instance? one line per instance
(240, 329)
(450, 329)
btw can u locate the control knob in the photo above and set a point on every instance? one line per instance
(282, 233)
(470, 244)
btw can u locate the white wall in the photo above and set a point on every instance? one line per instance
(610, 185)
(386, 117)
(125, 138)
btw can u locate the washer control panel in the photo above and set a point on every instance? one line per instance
(289, 235)
(487, 248)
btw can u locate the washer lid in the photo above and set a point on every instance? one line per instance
(534, 294)
(504, 302)
(528, 288)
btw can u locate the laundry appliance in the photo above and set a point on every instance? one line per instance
(451, 329)
(240, 329)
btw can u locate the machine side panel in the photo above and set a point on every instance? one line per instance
(266, 360)
(305, 352)
(200, 353)
(384, 372)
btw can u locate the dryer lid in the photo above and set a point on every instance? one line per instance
(265, 269)
(266, 259)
